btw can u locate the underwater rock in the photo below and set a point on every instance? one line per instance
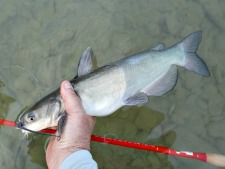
(194, 15)
(114, 127)
(98, 158)
(169, 138)
(195, 122)
(213, 12)
(156, 132)
(220, 144)
(216, 129)
(210, 91)
(216, 105)
(154, 29)
(129, 130)
(180, 115)
(5, 101)
(137, 163)
(202, 104)
(101, 153)
(115, 161)
(181, 93)
(163, 128)
(147, 119)
(100, 127)
(195, 82)
(190, 101)
(124, 113)
(10, 141)
(155, 163)
(173, 23)
(118, 128)
(36, 150)
(34, 24)
(221, 89)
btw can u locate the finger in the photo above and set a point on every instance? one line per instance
(92, 121)
(70, 99)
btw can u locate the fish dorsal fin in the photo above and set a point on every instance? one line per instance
(85, 65)
(160, 46)
(164, 84)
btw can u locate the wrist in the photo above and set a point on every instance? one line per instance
(62, 149)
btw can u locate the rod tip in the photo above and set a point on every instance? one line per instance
(216, 159)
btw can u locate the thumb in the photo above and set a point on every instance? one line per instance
(71, 100)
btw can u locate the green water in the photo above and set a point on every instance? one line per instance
(40, 45)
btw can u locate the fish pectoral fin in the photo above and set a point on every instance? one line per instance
(61, 123)
(137, 99)
(53, 108)
(164, 84)
(160, 46)
(85, 65)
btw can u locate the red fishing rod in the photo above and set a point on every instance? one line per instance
(214, 159)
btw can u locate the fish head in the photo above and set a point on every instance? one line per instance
(44, 114)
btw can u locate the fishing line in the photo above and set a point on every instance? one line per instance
(36, 132)
(18, 125)
(46, 143)
(29, 75)
(21, 144)
(20, 67)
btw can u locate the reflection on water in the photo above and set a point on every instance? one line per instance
(40, 45)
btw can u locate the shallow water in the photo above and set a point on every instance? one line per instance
(40, 45)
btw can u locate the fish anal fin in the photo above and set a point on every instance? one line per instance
(137, 99)
(164, 84)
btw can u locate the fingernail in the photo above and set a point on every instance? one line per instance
(67, 85)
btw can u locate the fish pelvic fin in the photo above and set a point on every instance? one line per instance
(137, 99)
(61, 124)
(192, 61)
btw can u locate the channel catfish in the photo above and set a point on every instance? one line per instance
(128, 81)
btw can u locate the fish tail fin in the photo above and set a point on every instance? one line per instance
(192, 61)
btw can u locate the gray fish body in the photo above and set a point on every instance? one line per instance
(128, 81)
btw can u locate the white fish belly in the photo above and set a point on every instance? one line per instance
(102, 94)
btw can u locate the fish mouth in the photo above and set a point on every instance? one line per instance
(19, 125)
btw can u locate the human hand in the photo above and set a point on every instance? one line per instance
(76, 132)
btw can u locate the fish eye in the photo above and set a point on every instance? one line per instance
(31, 116)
